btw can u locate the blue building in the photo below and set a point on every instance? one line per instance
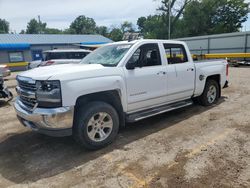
(16, 50)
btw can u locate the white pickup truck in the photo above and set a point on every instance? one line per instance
(118, 83)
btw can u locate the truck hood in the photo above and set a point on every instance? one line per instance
(60, 71)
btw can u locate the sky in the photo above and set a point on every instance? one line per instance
(60, 13)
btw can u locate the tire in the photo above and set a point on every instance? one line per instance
(96, 125)
(206, 99)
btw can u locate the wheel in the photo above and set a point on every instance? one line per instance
(210, 94)
(96, 125)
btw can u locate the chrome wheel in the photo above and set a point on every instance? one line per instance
(99, 126)
(211, 94)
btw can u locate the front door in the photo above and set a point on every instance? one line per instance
(146, 80)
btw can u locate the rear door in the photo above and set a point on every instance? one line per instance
(146, 83)
(180, 72)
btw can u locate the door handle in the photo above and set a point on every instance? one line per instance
(161, 72)
(190, 69)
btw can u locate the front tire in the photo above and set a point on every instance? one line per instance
(210, 94)
(96, 125)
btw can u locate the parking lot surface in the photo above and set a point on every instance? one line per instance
(191, 147)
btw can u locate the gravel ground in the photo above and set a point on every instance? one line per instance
(190, 147)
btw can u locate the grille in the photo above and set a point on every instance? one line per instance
(27, 92)
(29, 102)
(27, 86)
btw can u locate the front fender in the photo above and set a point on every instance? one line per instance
(73, 89)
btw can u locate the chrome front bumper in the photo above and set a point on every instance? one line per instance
(50, 121)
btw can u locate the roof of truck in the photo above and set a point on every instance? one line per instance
(147, 40)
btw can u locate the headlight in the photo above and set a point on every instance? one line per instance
(48, 94)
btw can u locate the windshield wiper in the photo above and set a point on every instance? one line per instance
(108, 65)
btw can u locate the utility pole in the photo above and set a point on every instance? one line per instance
(39, 21)
(169, 19)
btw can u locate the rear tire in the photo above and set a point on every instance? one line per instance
(96, 125)
(210, 94)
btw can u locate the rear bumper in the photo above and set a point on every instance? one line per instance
(52, 121)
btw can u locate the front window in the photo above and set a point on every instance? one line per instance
(109, 55)
(16, 56)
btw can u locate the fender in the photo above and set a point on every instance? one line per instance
(203, 72)
(72, 90)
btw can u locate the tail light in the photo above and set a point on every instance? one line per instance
(227, 70)
(49, 63)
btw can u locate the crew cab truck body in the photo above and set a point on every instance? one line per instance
(118, 83)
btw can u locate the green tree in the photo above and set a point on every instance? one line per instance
(83, 25)
(35, 27)
(4, 26)
(116, 34)
(152, 27)
(230, 15)
(127, 27)
(52, 31)
(213, 17)
(176, 10)
(102, 30)
(22, 31)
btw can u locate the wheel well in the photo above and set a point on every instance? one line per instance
(217, 79)
(111, 97)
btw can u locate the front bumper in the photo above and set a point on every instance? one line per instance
(49, 121)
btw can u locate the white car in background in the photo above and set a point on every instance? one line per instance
(60, 56)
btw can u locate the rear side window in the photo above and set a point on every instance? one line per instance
(175, 53)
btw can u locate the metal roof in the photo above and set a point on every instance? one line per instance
(235, 34)
(36, 39)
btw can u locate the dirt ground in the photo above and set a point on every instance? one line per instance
(190, 147)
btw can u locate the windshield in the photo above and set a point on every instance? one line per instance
(109, 55)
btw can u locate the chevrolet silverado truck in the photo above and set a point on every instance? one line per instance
(117, 83)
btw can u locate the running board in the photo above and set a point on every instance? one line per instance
(137, 116)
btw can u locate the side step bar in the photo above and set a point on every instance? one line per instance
(137, 116)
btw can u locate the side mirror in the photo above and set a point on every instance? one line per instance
(130, 66)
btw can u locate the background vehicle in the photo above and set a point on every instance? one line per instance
(118, 83)
(34, 64)
(4, 70)
(4, 91)
(60, 56)
(64, 56)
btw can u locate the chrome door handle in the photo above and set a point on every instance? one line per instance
(190, 69)
(161, 72)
